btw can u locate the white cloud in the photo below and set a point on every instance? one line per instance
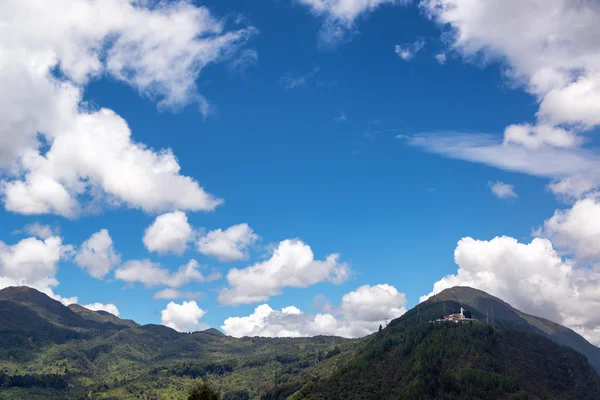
(292, 264)
(531, 277)
(502, 190)
(571, 188)
(151, 274)
(340, 16)
(111, 308)
(39, 230)
(361, 313)
(577, 229)
(228, 245)
(535, 136)
(160, 51)
(96, 157)
(441, 58)
(577, 169)
(549, 46)
(368, 306)
(289, 81)
(184, 317)
(408, 51)
(171, 294)
(33, 262)
(97, 255)
(169, 233)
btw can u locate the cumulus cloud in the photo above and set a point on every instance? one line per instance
(360, 313)
(171, 294)
(340, 16)
(228, 245)
(33, 262)
(441, 58)
(408, 51)
(184, 317)
(549, 48)
(531, 277)
(502, 190)
(292, 264)
(535, 136)
(111, 308)
(97, 255)
(553, 57)
(577, 230)
(40, 230)
(56, 151)
(571, 188)
(169, 233)
(152, 274)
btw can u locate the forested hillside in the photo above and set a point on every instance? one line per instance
(48, 351)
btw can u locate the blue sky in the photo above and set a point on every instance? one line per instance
(342, 144)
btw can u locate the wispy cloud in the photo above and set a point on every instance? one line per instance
(567, 168)
(289, 81)
(341, 118)
(502, 190)
(246, 58)
(408, 51)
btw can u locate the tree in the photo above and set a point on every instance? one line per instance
(380, 330)
(203, 392)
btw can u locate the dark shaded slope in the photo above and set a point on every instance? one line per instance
(411, 360)
(101, 316)
(28, 313)
(496, 311)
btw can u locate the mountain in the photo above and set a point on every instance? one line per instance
(91, 358)
(499, 313)
(101, 316)
(50, 351)
(415, 357)
(29, 314)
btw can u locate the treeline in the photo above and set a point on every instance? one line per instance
(49, 381)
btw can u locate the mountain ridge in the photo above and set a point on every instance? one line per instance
(507, 360)
(501, 313)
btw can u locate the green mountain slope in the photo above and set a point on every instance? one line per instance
(448, 360)
(49, 351)
(414, 358)
(30, 319)
(104, 360)
(496, 311)
(101, 316)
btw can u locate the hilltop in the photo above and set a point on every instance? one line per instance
(51, 351)
(415, 358)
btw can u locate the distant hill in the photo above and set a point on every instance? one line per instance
(213, 331)
(414, 358)
(26, 312)
(49, 351)
(496, 311)
(89, 358)
(101, 316)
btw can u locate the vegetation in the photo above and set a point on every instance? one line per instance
(204, 392)
(49, 351)
(470, 360)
